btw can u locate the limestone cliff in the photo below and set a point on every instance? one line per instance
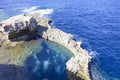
(22, 27)
(79, 63)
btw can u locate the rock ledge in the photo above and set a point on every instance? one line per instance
(23, 27)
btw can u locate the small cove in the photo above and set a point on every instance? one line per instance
(49, 63)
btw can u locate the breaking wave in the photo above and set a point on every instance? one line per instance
(35, 9)
(99, 74)
(27, 10)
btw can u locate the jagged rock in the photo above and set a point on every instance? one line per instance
(79, 63)
(22, 27)
(18, 26)
(77, 66)
(17, 23)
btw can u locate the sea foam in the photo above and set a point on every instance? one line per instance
(27, 10)
(34, 9)
(43, 12)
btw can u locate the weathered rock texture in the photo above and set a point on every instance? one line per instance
(22, 27)
(79, 63)
(17, 26)
(15, 37)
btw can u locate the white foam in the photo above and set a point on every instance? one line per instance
(93, 54)
(43, 12)
(98, 74)
(34, 9)
(27, 10)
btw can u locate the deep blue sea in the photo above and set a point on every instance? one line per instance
(94, 22)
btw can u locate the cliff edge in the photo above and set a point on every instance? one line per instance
(25, 27)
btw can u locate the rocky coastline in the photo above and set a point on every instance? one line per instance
(18, 29)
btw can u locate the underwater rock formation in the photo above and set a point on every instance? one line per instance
(22, 27)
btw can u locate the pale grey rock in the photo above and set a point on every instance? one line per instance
(23, 26)
(78, 66)
(17, 23)
(15, 26)
(79, 63)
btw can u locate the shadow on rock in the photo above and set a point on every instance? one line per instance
(72, 76)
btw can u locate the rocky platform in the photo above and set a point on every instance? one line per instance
(18, 29)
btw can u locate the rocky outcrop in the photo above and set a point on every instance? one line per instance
(78, 65)
(17, 26)
(17, 36)
(22, 27)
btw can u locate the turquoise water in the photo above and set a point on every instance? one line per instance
(94, 22)
(48, 63)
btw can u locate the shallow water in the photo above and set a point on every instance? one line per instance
(41, 59)
(94, 22)
(48, 63)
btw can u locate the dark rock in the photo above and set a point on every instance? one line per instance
(72, 76)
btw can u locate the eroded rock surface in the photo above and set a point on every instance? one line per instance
(78, 66)
(17, 26)
(22, 27)
(79, 63)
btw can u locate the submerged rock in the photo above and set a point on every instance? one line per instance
(22, 27)
(17, 52)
